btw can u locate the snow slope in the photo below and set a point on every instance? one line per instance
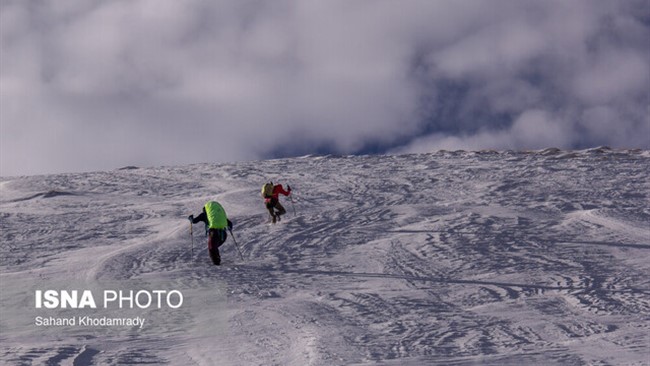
(454, 258)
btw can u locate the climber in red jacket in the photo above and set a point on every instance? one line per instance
(271, 194)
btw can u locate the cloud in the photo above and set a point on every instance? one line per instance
(94, 85)
(582, 65)
(534, 129)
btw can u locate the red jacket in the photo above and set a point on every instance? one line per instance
(277, 189)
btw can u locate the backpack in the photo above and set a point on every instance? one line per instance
(267, 190)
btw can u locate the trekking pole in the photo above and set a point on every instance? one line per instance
(192, 236)
(292, 205)
(237, 246)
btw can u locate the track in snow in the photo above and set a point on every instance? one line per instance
(455, 258)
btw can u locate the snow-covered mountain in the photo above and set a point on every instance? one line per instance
(454, 258)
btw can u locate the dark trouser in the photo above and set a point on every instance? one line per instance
(216, 237)
(274, 204)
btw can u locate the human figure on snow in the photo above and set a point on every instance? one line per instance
(216, 221)
(271, 194)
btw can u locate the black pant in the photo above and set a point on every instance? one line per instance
(216, 237)
(274, 203)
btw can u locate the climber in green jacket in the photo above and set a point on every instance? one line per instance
(216, 221)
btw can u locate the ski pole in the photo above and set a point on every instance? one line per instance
(292, 205)
(237, 246)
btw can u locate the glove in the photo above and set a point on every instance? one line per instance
(229, 225)
(288, 188)
(191, 218)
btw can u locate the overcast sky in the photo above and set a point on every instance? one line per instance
(98, 85)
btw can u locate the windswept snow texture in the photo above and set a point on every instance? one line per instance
(454, 258)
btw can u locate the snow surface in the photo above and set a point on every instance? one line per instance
(454, 258)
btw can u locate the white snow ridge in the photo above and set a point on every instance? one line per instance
(449, 258)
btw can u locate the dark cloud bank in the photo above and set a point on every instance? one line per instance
(94, 85)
